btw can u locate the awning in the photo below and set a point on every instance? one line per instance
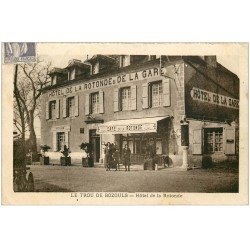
(130, 126)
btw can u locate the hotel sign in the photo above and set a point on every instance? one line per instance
(213, 98)
(127, 129)
(108, 81)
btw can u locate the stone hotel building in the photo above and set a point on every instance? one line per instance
(141, 99)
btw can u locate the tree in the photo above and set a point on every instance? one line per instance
(31, 78)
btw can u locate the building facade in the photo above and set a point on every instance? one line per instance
(140, 100)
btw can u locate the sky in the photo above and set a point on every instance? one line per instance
(61, 54)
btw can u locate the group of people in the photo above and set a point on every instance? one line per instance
(112, 157)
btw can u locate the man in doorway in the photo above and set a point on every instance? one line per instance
(126, 154)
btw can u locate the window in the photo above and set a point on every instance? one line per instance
(213, 140)
(124, 61)
(70, 106)
(156, 94)
(152, 57)
(95, 103)
(60, 140)
(52, 109)
(125, 98)
(96, 68)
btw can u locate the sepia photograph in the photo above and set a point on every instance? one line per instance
(125, 125)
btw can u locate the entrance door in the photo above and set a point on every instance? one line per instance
(94, 139)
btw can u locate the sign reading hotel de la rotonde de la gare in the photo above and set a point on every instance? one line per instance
(104, 82)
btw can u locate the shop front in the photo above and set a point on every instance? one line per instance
(138, 134)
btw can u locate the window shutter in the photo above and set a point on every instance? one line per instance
(87, 109)
(101, 102)
(64, 106)
(166, 92)
(133, 97)
(116, 100)
(145, 95)
(67, 139)
(229, 141)
(76, 105)
(58, 109)
(54, 141)
(47, 110)
(197, 142)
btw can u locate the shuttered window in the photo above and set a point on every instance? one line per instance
(95, 103)
(213, 140)
(125, 98)
(52, 109)
(156, 94)
(70, 106)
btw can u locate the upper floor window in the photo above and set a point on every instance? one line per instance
(96, 68)
(70, 106)
(152, 57)
(125, 98)
(94, 103)
(124, 60)
(156, 94)
(52, 109)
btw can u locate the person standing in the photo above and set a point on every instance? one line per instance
(106, 155)
(126, 154)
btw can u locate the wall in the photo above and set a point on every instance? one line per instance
(175, 110)
(203, 77)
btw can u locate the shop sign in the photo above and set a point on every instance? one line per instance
(213, 98)
(124, 129)
(109, 81)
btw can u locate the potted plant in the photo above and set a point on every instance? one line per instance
(44, 160)
(88, 148)
(65, 159)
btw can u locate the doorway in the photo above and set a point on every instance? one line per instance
(94, 139)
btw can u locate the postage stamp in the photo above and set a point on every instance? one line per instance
(125, 124)
(19, 52)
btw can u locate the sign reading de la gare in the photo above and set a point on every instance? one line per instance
(104, 82)
(213, 98)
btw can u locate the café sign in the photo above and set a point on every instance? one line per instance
(214, 98)
(127, 129)
(109, 81)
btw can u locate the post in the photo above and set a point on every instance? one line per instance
(185, 142)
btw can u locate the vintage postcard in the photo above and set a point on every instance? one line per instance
(125, 124)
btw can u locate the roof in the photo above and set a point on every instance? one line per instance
(57, 71)
(77, 63)
(101, 57)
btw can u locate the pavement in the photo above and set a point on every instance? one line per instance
(97, 179)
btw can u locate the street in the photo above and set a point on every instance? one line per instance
(79, 179)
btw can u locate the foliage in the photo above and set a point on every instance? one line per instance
(45, 148)
(87, 147)
(30, 78)
(65, 151)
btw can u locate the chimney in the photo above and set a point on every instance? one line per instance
(211, 61)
